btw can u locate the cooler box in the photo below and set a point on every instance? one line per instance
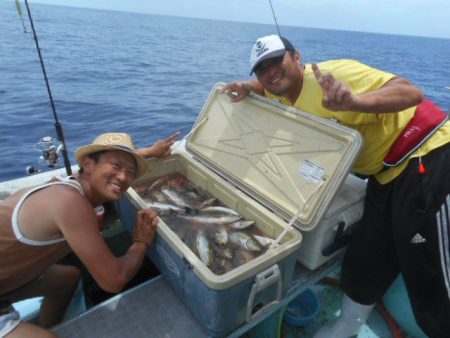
(332, 234)
(220, 303)
(268, 162)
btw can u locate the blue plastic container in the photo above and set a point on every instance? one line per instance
(302, 310)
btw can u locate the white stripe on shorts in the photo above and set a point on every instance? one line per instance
(443, 224)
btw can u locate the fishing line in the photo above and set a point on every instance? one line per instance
(275, 18)
(58, 126)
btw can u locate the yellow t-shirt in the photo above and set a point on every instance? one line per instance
(379, 130)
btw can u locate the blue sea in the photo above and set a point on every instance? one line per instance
(149, 75)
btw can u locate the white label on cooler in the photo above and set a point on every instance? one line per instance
(311, 171)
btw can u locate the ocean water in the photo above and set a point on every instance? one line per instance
(149, 75)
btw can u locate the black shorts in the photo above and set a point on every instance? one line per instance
(406, 228)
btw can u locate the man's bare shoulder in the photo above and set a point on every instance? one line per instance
(43, 193)
(60, 199)
(70, 210)
(64, 192)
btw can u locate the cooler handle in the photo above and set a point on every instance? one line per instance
(341, 239)
(263, 280)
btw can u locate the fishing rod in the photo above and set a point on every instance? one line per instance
(275, 18)
(50, 152)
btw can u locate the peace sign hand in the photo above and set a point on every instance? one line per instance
(336, 94)
(162, 148)
(159, 149)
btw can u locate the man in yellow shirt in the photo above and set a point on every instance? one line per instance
(406, 157)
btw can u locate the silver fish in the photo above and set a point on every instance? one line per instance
(166, 207)
(177, 198)
(208, 203)
(158, 196)
(158, 183)
(241, 224)
(208, 219)
(245, 241)
(219, 210)
(221, 235)
(264, 241)
(204, 248)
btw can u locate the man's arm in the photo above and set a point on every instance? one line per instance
(160, 148)
(395, 95)
(239, 90)
(79, 226)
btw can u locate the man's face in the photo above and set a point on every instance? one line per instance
(112, 175)
(280, 74)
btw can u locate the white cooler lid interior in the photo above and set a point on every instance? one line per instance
(286, 159)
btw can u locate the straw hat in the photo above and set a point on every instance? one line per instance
(114, 141)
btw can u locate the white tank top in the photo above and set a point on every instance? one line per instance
(14, 219)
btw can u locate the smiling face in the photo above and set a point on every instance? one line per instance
(110, 176)
(282, 76)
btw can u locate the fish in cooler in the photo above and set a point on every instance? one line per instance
(163, 208)
(264, 240)
(203, 248)
(207, 219)
(221, 237)
(241, 224)
(219, 210)
(245, 241)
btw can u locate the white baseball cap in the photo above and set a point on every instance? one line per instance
(268, 47)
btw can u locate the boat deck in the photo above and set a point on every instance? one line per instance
(152, 309)
(149, 310)
(330, 300)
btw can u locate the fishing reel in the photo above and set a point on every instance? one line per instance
(50, 152)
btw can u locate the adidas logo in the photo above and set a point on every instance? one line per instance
(418, 239)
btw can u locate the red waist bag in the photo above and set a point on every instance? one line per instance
(427, 119)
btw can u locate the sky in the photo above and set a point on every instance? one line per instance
(404, 17)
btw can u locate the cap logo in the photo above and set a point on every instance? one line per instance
(260, 48)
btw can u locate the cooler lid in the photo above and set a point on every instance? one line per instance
(288, 160)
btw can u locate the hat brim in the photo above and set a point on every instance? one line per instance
(270, 55)
(142, 166)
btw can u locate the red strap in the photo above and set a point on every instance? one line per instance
(427, 119)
